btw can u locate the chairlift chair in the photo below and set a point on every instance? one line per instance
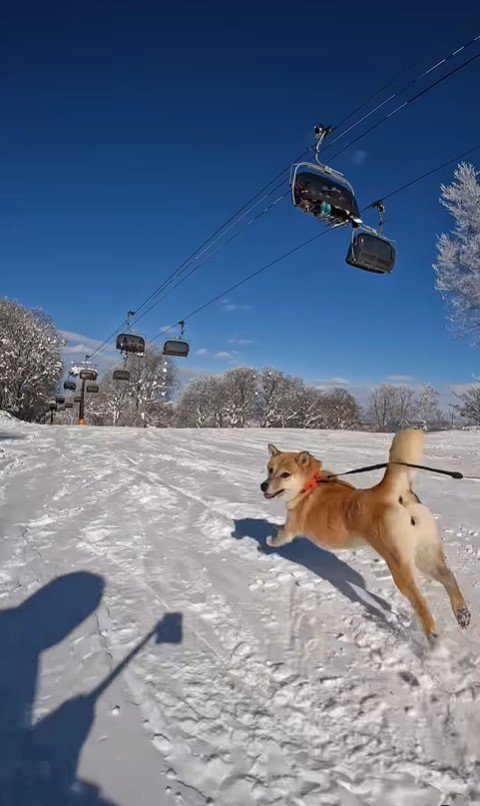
(323, 192)
(88, 374)
(177, 348)
(370, 250)
(68, 404)
(131, 343)
(92, 387)
(59, 400)
(77, 399)
(52, 406)
(121, 375)
(69, 386)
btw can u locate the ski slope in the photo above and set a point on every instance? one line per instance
(298, 678)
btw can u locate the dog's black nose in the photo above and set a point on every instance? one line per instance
(264, 486)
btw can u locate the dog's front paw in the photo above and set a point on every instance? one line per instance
(271, 540)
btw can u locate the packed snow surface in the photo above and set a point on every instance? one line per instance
(291, 677)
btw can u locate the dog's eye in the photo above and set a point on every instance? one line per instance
(286, 475)
(270, 471)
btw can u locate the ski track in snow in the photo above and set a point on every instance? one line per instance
(302, 678)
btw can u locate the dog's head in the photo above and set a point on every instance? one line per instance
(288, 473)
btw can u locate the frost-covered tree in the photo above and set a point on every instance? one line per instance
(340, 410)
(457, 267)
(391, 407)
(30, 364)
(139, 401)
(279, 397)
(239, 397)
(427, 408)
(309, 408)
(199, 405)
(152, 381)
(468, 406)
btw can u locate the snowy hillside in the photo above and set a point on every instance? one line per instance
(299, 677)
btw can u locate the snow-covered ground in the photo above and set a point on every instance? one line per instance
(300, 677)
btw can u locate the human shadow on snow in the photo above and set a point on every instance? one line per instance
(324, 564)
(39, 761)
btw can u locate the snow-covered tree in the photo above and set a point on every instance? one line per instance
(457, 267)
(468, 406)
(239, 397)
(279, 398)
(30, 364)
(139, 401)
(391, 407)
(340, 410)
(427, 408)
(199, 405)
(309, 408)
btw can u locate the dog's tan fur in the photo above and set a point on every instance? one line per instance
(388, 517)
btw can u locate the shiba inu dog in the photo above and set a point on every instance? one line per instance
(389, 517)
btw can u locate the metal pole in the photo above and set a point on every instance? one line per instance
(81, 409)
(51, 416)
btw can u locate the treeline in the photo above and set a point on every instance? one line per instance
(31, 372)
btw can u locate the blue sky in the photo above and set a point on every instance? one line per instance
(131, 130)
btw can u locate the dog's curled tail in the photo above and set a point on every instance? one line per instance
(407, 446)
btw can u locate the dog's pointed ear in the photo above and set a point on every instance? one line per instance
(273, 451)
(303, 458)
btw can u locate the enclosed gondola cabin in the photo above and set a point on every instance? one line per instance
(121, 375)
(92, 387)
(88, 374)
(177, 348)
(131, 343)
(77, 399)
(69, 386)
(371, 252)
(324, 194)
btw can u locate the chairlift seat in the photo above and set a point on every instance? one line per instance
(372, 253)
(92, 387)
(131, 343)
(77, 399)
(88, 374)
(121, 375)
(60, 400)
(324, 195)
(176, 348)
(68, 404)
(69, 386)
(52, 406)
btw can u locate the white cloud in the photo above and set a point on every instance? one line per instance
(359, 156)
(202, 351)
(241, 342)
(232, 306)
(223, 355)
(165, 328)
(400, 378)
(79, 345)
(324, 382)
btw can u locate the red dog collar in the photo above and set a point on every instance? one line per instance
(317, 479)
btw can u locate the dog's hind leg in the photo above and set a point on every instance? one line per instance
(405, 581)
(434, 564)
(430, 559)
(396, 541)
